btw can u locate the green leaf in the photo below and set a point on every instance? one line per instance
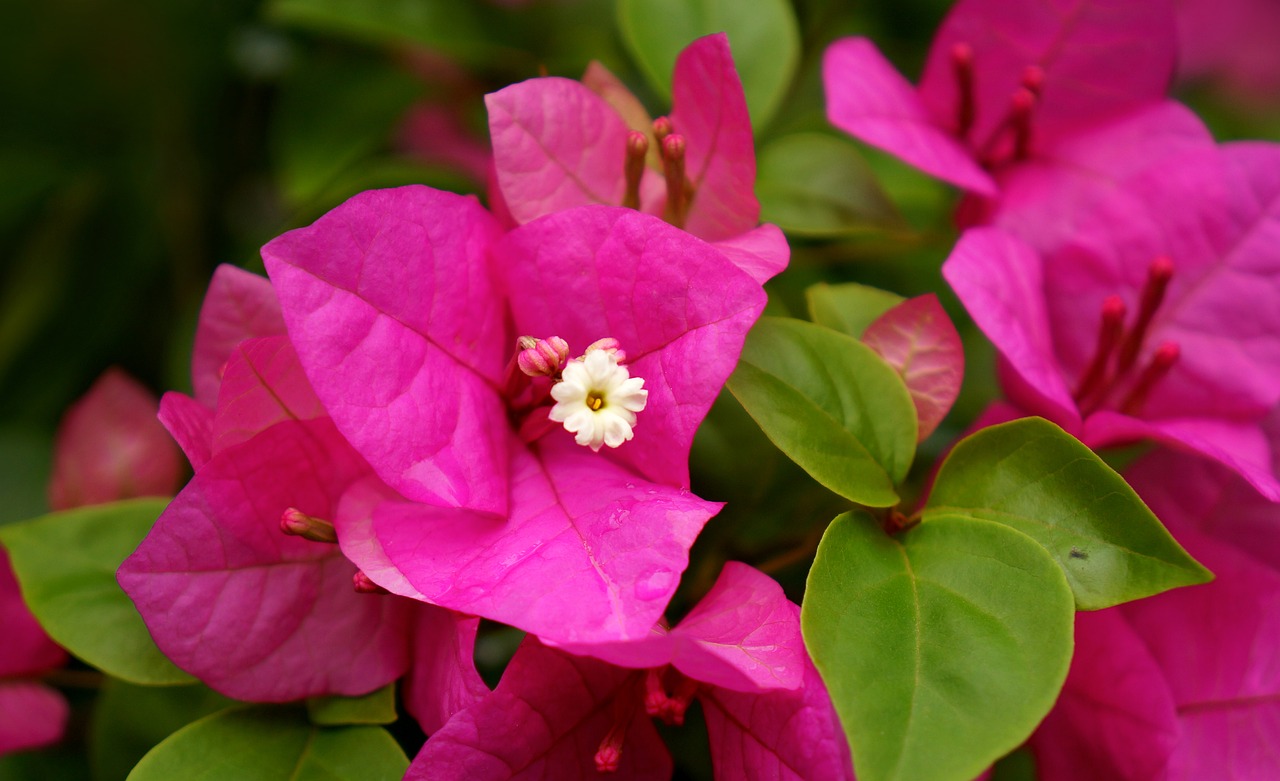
(66, 564)
(1032, 476)
(128, 721)
(765, 43)
(376, 707)
(271, 743)
(942, 650)
(831, 404)
(848, 307)
(813, 184)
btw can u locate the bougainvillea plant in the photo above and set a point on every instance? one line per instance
(544, 438)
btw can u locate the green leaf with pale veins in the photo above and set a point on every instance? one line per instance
(831, 405)
(848, 307)
(376, 707)
(271, 743)
(1032, 476)
(943, 649)
(765, 43)
(66, 564)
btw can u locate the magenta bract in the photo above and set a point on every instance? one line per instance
(1006, 82)
(560, 143)
(738, 652)
(31, 714)
(1159, 319)
(404, 306)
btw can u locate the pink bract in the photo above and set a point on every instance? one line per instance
(1183, 684)
(237, 603)
(225, 593)
(918, 340)
(1229, 45)
(560, 143)
(404, 306)
(1204, 235)
(31, 714)
(110, 447)
(1005, 81)
(738, 652)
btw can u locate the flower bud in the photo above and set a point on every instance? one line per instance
(542, 357)
(296, 523)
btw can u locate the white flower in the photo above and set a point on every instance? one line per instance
(597, 400)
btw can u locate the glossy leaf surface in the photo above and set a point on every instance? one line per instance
(376, 707)
(264, 744)
(831, 404)
(942, 649)
(1032, 476)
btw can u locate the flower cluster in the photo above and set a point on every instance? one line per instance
(392, 438)
(444, 444)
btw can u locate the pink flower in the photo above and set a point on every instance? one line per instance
(110, 447)
(1230, 45)
(226, 593)
(404, 307)
(1184, 684)
(1005, 81)
(1160, 319)
(739, 653)
(1035, 109)
(31, 714)
(559, 143)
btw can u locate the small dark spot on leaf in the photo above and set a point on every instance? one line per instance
(1076, 553)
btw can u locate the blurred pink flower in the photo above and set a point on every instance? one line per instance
(110, 446)
(1005, 81)
(1159, 318)
(31, 714)
(1231, 44)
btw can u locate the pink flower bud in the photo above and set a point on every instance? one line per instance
(542, 357)
(364, 584)
(296, 523)
(609, 345)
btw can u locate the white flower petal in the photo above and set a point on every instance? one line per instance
(597, 376)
